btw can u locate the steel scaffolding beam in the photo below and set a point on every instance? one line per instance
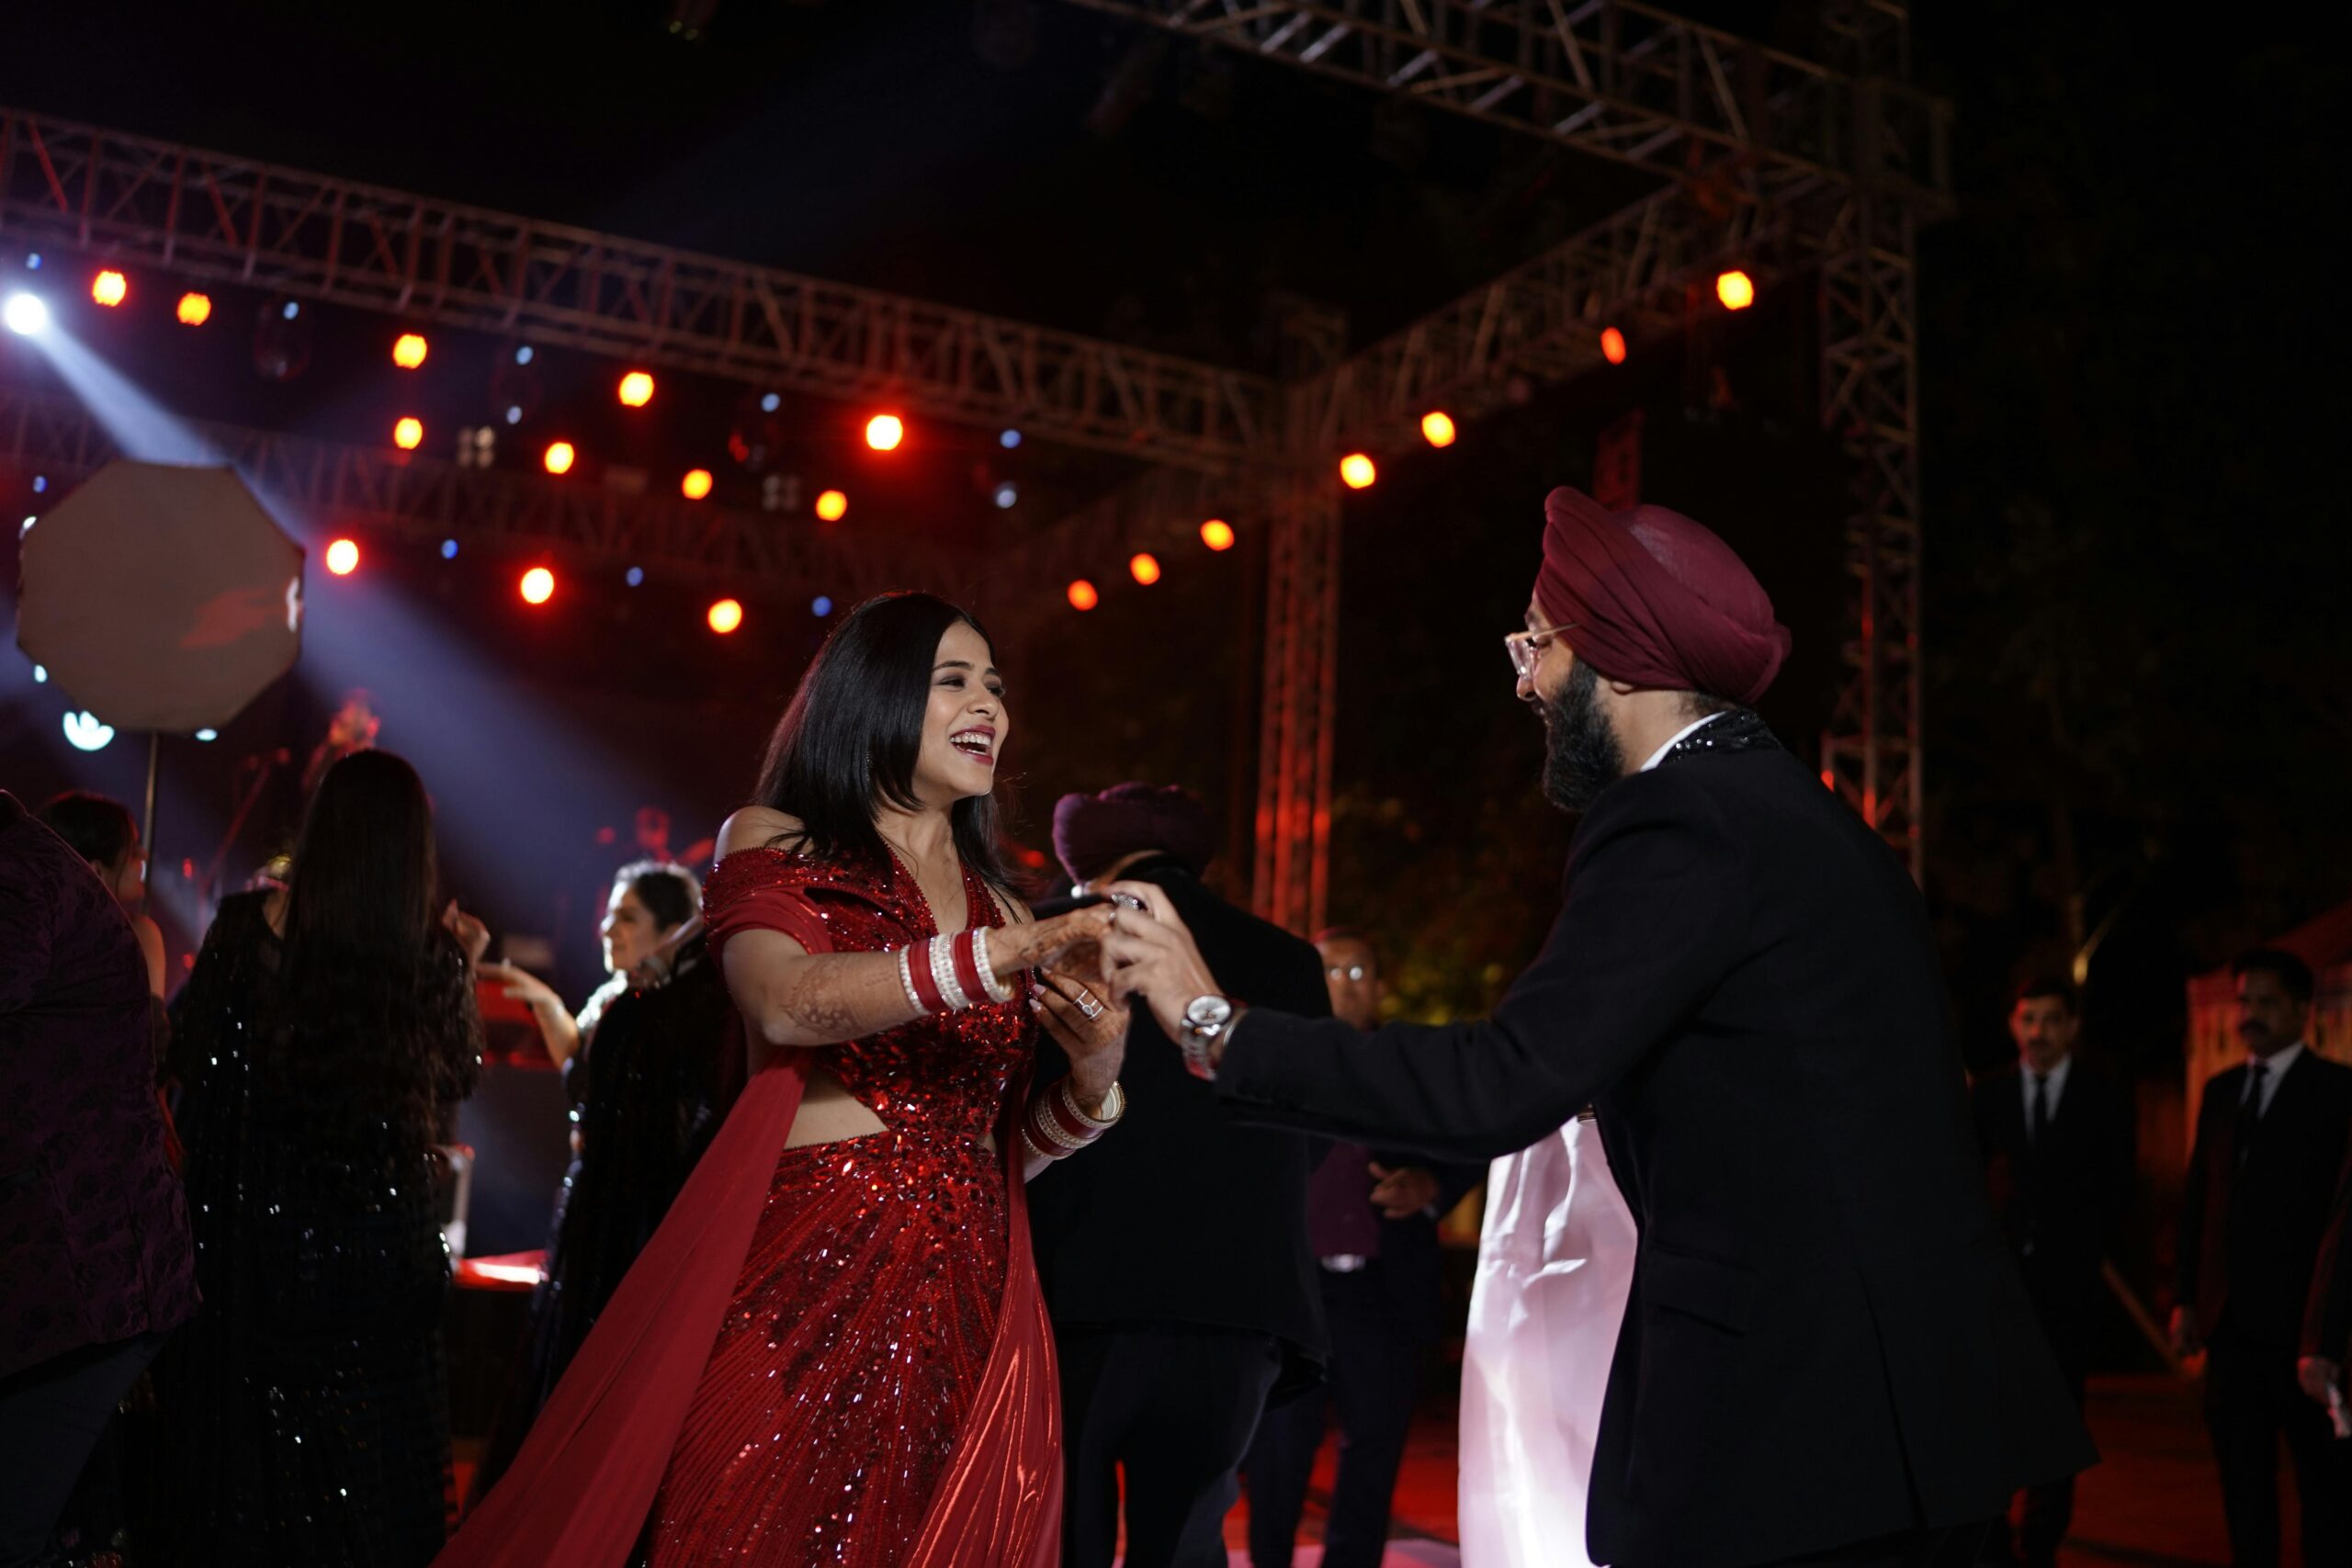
(1621, 81)
(329, 486)
(209, 216)
(1870, 400)
(1292, 872)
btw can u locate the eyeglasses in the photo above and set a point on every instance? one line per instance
(1348, 972)
(1525, 649)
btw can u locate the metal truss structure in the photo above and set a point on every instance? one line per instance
(211, 215)
(1777, 162)
(410, 496)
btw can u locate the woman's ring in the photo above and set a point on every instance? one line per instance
(1129, 901)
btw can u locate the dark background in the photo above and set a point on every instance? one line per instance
(2137, 717)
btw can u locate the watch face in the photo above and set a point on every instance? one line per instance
(1207, 1013)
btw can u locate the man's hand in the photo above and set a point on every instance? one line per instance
(1403, 1192)
(1152, 956)
(2185, 1342)
(2318, 1374)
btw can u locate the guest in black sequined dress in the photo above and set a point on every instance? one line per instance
(324, 1034)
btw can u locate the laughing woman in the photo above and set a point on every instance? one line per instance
(834, 1350)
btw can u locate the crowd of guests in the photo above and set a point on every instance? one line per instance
(233, 1207)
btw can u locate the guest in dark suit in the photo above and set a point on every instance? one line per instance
(2270, 1140)
(1371, 1217)
(2058, 1140)
(1174, 1257)
(1827, 1354)
(93, 1230)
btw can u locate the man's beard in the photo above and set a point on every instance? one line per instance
(1581, 756)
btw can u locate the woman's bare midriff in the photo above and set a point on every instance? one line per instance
(829, 1113)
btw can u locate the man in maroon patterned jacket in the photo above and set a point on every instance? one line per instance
(95, 1264)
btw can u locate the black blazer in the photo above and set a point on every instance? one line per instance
(2250, 1231)
(1181, 1213)
(1826, 1338)
(2062, 1201)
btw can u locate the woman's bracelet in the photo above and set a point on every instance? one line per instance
(1056, 1128)
(948, 974)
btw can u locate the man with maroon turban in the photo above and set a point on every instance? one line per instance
(1827, 1355)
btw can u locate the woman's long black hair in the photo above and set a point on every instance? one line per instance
(376, 1020)
(849, 743)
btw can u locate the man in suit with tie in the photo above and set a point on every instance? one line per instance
(2058, 1144)
(1371, 1218)
(2270, 1139)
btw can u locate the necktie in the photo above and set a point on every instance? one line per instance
(2039, 1122)
(2250, 1109)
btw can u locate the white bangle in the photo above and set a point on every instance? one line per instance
(1115, 1105)
(942, 974)
(907, 983)
(997, 989)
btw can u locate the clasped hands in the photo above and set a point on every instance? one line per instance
(1112, 953)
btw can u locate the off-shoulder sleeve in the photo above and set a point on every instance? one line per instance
(764, 889)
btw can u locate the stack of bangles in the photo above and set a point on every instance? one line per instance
(948, 974)
(1056, 1128)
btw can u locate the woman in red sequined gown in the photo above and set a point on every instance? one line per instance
(834, 1350)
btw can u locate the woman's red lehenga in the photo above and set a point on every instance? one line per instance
(841, 1356)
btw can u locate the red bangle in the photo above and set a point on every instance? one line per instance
(967, 968)
(1068, 1121)
(919, 971)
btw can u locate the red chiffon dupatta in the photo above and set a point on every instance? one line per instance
(579, 1492)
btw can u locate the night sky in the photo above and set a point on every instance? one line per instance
(2131, 362)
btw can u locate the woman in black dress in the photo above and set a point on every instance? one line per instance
(327, 1029)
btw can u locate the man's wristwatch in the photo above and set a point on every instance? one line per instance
(1206, 1021)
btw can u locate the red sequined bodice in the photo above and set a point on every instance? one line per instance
(945, 1075)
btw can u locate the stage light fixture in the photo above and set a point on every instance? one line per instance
(1437, 428)
(109, 288)
(26, 314)
(449, 550)
(513, 413)
(1356, 471)
(1006, 496)
(637, 389)
(85, 731)
(634, 577)
(525, 354)
(408, 434)
(343, 557)
(40, 675)
(832, 506)
(1613, 346)
(1082, 595)
(696, 486)
(1009, 440)
(726, 615)
(208, 736)
(560, 457)
(769, 402)
(820, 606)
(195, 310)
(1144, 567)
(538, 585)
(1735, 289)
(884, 431)
(409, 350)
(1217, 533)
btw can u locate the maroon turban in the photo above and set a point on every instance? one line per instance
(1657, 600)
(1094, 831)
